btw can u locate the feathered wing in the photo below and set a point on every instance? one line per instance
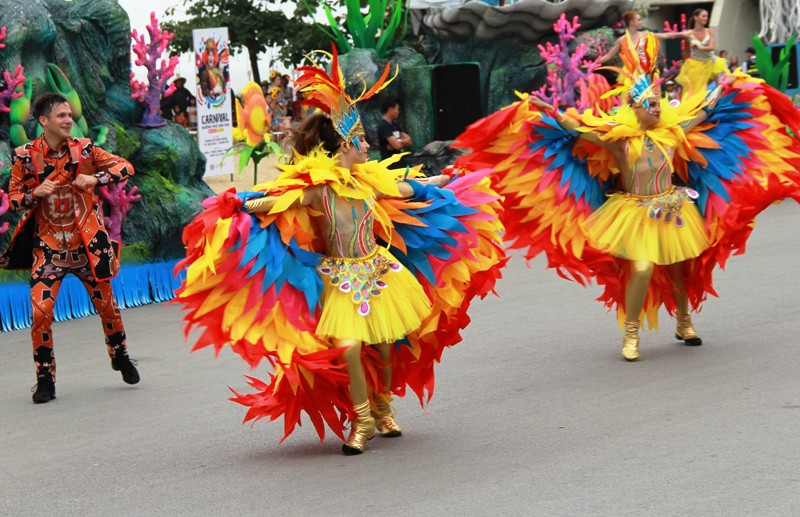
(744, 158)
(547, 187)
(251, 283)
(450, 238)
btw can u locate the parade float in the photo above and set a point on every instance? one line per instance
(468, 58)
(82, 50)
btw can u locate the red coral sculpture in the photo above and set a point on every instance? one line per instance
(117, 203)
(147, 55)
(571, 80)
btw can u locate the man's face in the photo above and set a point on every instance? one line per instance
(394, 112)
(58, 123)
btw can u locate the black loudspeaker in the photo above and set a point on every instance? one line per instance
(456, 98)
(794, 70)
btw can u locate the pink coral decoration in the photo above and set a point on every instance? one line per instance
(3, 208)
(8, 92)
(158, 74)
(571, 80)
(674, 70)
(119, 203)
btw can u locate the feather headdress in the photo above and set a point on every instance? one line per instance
(327, 92)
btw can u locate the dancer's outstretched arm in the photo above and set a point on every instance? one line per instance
(568, 123)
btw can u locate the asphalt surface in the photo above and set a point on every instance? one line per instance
(534, 413)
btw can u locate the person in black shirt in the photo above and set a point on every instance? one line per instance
(749, 65)
(391, 139)
(175, 106)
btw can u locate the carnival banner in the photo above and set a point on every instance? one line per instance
(214, 119)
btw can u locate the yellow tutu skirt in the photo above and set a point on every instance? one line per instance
(696, 75)
(665, 228)
(372, 299)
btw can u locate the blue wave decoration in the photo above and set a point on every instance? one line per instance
(135, 285)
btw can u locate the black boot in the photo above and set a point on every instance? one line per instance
(120, 362)
(45, 375)
(45, 389)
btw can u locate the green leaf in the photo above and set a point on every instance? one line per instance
(389, 33)
(375, 19)
(244, 157)
(356, 25)
(340, 40)
(763, 58)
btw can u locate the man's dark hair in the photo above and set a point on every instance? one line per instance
(388, 103)
(45, 104)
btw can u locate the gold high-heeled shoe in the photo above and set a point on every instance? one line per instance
(361, 430)
(684, 330)
(384, 417)
(630, 341)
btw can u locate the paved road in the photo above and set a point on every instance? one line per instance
(535, 414)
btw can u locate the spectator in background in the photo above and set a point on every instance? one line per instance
(288, 94)
(281, 122)
(191, 112)
(175, 106)
(749, 65)
(672, 92)
(733, 63)
(391, 139)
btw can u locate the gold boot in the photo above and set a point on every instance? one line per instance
(630, 341)
(361, 430)
(384, 417)
(684, 330)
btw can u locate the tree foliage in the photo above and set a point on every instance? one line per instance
(253, 24)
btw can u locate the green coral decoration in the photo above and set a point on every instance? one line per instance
(368, 30)
(58, 83)
(20, 110)
(774, 74)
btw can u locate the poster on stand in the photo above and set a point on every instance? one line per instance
(214, 119)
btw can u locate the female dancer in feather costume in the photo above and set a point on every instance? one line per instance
(703, 66)
(646, 200)
(296, 272)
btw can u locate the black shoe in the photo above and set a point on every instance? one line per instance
(45, 389)
(123, 364)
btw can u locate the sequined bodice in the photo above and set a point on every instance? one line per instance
(702, 55)
(347, 225)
